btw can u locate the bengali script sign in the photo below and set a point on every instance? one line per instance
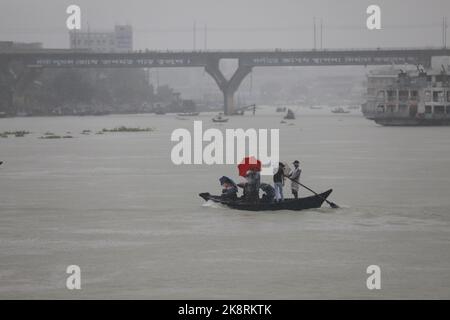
(111, 63)
(332, 60)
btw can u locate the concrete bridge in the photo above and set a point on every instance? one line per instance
(247, 60)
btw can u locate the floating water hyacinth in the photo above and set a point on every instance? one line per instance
(52, 136)
(18, 133)
(126, 129)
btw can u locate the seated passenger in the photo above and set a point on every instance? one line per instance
(251, 189)
(229, 189)
(269, 193)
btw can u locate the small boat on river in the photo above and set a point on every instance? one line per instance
(188, 114)
(290, 115)
(219, 118)
(311, 202)
(340, 110)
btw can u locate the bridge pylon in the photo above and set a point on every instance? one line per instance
(227, 86)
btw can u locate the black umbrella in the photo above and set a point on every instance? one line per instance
(225, 179)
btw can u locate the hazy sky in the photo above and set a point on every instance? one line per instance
(232, 24)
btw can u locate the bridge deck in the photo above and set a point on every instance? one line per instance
(66, 58)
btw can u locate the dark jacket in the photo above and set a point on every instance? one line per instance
(229, 193)
(269, 192)
(279, 176)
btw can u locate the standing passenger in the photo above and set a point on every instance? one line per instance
(295, 177)
(278, 181)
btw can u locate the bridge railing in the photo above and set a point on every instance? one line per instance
(225, 51)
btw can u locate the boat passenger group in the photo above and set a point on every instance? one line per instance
(253, 184)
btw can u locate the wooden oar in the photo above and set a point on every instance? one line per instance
(332, 204)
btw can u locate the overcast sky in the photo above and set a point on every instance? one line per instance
(232, 24)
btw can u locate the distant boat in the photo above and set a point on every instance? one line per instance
(340, 110)
(188, 114)
(281, 109)
(160, 111)
(315, 107)
(240, 111)
(219, 119)
(290, 115)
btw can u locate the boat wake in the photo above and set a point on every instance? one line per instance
(212, 204)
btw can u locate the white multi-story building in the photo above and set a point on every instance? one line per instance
(119, 40)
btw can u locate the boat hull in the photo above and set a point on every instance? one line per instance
(414, 122)
(311, 202)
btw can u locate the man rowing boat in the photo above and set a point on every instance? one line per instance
(294, 175)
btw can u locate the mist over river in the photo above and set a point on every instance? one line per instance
(115, 205)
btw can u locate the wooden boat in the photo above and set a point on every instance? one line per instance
(240, 111)
(188, 114)
(340, 110)
(290, 115)
(158, 109)
(311, 202)
(219, 119)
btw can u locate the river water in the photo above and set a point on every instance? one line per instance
(116, 206)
